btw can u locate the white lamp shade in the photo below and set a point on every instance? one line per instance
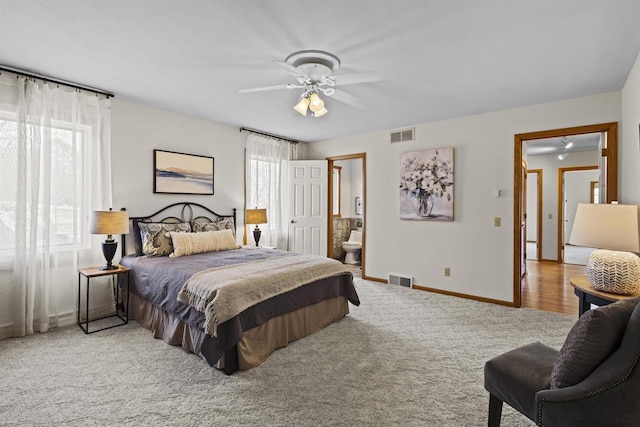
(301, 107)
(320, 113)
(316, 104)
(614, 227)
(109, 222)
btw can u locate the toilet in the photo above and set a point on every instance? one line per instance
(352, 247)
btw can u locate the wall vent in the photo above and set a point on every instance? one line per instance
(395, 279)
(402, 135)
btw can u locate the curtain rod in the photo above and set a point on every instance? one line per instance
(54, 80)
(293, 141)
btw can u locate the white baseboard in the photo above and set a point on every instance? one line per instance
(68, 318)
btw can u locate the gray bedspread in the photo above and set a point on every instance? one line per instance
(159, 279)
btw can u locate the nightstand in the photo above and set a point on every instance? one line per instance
(92, 272)
(588, 295)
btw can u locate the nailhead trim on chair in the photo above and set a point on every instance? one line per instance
(590, 394)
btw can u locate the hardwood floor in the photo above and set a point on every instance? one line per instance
(547, 287)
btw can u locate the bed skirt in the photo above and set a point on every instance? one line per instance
(256, 343)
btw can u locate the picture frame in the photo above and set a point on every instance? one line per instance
(427, 185)
(181, 173)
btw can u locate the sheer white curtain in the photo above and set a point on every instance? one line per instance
(267, 172)
(54, 170)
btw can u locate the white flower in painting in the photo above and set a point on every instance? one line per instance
(423, 180)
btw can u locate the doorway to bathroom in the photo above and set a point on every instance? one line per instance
(347, 210)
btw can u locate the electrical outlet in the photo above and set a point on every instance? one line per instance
(496, 221)
(447, 271)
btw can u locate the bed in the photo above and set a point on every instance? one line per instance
(232, 306)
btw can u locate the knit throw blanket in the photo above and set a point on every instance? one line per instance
(224, 292)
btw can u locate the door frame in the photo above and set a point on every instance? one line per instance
(539, 175)
(561, 172)
(330, 160)
(610, 153)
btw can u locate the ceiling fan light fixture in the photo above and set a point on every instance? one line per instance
(301, 106)
(315, 103)
(320, 113)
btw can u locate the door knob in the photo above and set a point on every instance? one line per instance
(293, 221)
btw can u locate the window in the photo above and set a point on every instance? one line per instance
(60, 224)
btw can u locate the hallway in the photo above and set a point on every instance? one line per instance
(547, 287)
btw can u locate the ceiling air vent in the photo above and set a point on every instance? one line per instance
(402, 135)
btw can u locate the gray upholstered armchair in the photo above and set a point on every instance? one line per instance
(593, 380)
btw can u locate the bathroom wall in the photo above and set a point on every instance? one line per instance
(341, 230)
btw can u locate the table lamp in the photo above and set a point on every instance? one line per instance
(614, 231)
(109, 222)
(256, 216)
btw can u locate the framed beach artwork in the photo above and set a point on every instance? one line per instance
(179, 173)
(426, 185)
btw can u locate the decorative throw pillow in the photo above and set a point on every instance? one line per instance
(205, 241)
(201, 224)
(155, 241)
(594, 337)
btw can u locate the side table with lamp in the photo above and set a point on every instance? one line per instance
(106, 222)
(612, 270)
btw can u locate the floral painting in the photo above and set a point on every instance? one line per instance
(426, 185)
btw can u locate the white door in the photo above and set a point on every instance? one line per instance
(308, 207)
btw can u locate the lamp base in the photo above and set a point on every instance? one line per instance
(615, 272)
(256, 234)
(109, 250)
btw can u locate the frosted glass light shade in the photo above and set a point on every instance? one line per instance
(316, 104)
(320, 113)
(301, 106)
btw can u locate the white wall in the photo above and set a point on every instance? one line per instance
(480, 256)
(629, 155)
(550, 164)
(139, 129)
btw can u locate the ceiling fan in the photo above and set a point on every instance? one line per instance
(314, 70)
(566, 144)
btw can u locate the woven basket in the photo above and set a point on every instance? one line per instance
(613, 271)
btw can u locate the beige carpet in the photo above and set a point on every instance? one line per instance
(404, 357)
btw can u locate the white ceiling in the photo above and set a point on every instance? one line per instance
(541, 147)
(439, 59)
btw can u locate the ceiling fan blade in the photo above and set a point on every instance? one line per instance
(293, 70)
(348, 99)
(354, 78)
(265, 88)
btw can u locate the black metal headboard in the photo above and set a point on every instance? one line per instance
(186, 214)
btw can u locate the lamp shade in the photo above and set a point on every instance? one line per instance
(256, 216)
(615, 227)
(109, 222)
(315, 103)
(301, 107)
(320, 113)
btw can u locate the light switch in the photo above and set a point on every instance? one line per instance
(496, 221)
(549, 216)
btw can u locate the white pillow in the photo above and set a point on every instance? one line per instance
(206, 241)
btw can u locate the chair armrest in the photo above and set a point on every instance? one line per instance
(607, 396)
